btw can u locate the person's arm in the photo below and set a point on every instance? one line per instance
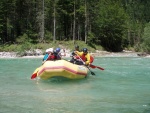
(45, 58)
(78, 53)
(62, 53)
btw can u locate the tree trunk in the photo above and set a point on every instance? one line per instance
(42, 28)
(54, 37)
(129, 37)
(85, 22)
(79, 32)
(74, 23)
(40, 20)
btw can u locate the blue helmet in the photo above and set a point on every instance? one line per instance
(58, 50)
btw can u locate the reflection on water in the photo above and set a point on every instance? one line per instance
(123, 87)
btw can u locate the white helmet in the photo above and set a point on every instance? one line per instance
(46, 50)
(50, 50)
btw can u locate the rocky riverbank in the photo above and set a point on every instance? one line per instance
(39, 54)
(8, 54)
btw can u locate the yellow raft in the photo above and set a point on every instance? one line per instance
(61, 68)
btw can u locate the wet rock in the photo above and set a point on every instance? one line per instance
(38, 52)
(142, 54)
(35, 52)
(8, 54)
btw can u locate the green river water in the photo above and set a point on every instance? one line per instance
(123, 87)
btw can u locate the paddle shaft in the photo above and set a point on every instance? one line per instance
(93, 66)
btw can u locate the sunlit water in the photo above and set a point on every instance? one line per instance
(123, 87)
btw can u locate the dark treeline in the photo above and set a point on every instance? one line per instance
(113, 24)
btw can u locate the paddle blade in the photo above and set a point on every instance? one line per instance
(92, 73)
(34, 76)
(92, 66)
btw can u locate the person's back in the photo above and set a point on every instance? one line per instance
(52, 57)
(57, 56)
(58, 53)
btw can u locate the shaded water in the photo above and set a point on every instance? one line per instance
(123, 87)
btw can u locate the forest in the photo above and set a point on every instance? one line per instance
(113, 24)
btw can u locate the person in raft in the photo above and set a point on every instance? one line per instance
(85, 57)
(75, 59)
(57, 52)
(49, 52)
(76, 48)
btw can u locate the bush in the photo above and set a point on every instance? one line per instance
(146, 39)
(22, 39)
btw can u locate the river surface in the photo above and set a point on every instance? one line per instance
(123, 87)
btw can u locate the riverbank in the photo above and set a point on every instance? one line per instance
(96, 54)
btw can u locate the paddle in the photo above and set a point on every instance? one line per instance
(93, 66)
(34, 75)
(90, 71)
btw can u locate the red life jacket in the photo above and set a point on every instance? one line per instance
(52, 57)
(77, 57)
(83, 58)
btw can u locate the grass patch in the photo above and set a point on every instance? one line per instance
(43, 46)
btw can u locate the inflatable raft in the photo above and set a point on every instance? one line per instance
(61, 68)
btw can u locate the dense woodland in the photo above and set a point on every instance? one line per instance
(113, 24)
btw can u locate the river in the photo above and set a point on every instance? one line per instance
(123, 87)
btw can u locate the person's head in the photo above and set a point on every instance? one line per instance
(58, 50)
(85, 50)
(46, 51)
(77, 47)
(50, 50)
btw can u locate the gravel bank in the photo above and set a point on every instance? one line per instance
(96, 54)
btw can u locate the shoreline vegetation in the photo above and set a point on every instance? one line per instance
(28, 50)
(112, 26)
(39, 54)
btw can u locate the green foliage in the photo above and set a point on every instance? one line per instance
(22, 39)
(107, 22)
(111, 25)
(146, 39)
(26, 46)
(48, 36)
(9, 48)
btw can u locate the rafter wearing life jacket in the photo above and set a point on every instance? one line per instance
(85, 56)
(52, 57)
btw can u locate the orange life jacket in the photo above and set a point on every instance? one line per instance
(91, 59)
(85, 59)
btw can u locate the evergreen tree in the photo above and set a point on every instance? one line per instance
(110, 25)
